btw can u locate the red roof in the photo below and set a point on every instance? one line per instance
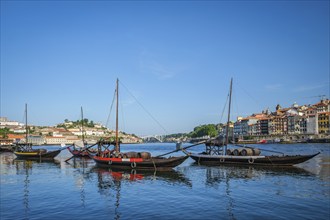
(16, 136)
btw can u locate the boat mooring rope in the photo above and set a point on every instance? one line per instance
(154, 164)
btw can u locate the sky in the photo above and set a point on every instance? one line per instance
(174, 60)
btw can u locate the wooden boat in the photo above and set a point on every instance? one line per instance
(130, 160)
(76, 150)
(32, 154)
(219, 154)
(287, 160)
(25, 151)
(138, 162)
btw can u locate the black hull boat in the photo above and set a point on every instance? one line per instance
(26, 152)
(217, 153)
(216, 160)
(38, 154)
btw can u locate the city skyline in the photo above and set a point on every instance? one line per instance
(176, 58)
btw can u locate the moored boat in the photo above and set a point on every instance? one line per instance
(138, 163)
(79, 149)
(26, 151)
(285, 160)
(77, 152)
(217, 154)
(114, 158)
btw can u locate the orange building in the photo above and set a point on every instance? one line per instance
(323, 122)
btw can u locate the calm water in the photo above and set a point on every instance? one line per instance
(80, 190)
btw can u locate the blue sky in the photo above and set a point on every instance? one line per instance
(175, 57)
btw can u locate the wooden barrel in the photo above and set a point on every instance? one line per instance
(256, 151)
(229, 152)
(237, 152)
(247, 152)
(42, 151)
(144, 155)
(120, 155)
(131, 154)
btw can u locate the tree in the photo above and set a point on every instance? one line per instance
(204, 130)
(4, 132)
(85, 121)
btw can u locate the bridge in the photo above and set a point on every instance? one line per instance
(153, 138)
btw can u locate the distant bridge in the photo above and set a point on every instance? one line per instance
(153, 138)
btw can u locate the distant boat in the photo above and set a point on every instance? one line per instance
(130, 160)
(78, 149)
(219, 155)
(25, 150)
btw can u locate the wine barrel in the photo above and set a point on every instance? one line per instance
(144, 155)
(247, 152)
(237, 152)
(42, 151)
(131, 154)
(229, 152)
(256, 151)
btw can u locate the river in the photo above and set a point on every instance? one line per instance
(80, 190)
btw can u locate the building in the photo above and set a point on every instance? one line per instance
(322, 106)
(36, 140)
(306, 119)
(323, 122)
(5, 122)
(16, 138)
(264, 124)
(55, 140)
(294, 123)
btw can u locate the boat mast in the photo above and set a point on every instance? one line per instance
(117, 149)
(227, 130)
(82, 126)
(26, 128)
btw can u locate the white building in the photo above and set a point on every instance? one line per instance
(5, 122)
(56, 140)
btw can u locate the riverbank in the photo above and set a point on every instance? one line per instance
(320, 140)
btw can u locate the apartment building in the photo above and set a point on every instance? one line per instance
(311, 119)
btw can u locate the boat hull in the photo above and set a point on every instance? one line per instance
(78, 153)
(49, 155)
(154, 163)
(215, 160)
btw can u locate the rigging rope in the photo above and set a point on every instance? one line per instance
(254, 99)
(113, 100)
(123, 116)
(224, 108)
(144, 108)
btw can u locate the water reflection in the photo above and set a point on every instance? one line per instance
(215, 175)
(171, 176)
(25, 168)
(6, 158)
(81, 174)
(110, 182)
(228, 178)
